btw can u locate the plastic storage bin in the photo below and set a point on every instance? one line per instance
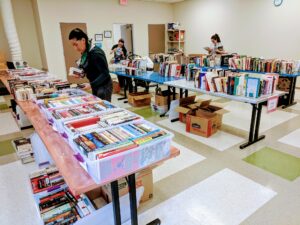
(127, 162)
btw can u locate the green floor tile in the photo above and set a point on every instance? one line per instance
(145, 112)
(6, 148)
(276, 162)
(3, 106)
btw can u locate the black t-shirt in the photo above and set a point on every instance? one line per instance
(119, 57)
(96, 68)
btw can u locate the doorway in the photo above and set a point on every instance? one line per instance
(156, 38)
(124, 31)
(70, 55)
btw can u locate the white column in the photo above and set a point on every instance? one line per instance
(10, 30)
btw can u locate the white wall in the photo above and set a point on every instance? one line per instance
(99, 15)
(253, 27)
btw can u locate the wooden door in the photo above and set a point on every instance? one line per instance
(156, 38)
(70, 54)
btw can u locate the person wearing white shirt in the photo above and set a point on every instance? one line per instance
(216, 47)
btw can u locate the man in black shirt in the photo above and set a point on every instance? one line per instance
(94, 64)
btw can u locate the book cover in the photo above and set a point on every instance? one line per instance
(252, 87)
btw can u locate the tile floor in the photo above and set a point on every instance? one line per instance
(292, 138)
(8, 124)
(209, 183)
(219, 141)
(225, 198)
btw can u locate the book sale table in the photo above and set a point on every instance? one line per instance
(185, 86)
(78, 180)
(256, 104)
(150, 77)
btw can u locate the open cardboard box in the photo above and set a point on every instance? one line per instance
(161, 99)
(143, 178)
(206, 120)
(139, 99)
(188, 106)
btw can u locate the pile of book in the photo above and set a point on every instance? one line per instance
(81, 110)
(69, 101)
(170, 69)
(56, 203)
(240, 84)
(94, 122)
(202, 61)
(24, 150)
(264, 65)
(98, 145)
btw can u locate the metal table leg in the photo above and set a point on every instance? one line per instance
(181, 93)
(169, 101)
(116, 202)
(254, 126)
(132, 197)
(125, 92)
(186, 93)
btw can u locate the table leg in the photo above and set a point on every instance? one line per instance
(254, 126)
(291, 93)
(125, 92)
(174, 93)
(116, 202)
(169, 97)
(181, 93)
(186, 93)
(132, 196)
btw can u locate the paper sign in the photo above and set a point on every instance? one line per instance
(272, 104)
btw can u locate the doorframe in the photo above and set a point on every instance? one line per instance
(132, 28)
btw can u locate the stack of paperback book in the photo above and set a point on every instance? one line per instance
(56, 203)
(170, 69)
(94, 122)
(81, 110)
(240, 84)
(98, 145)
(264, 65)
(24, 150)
(69, 101)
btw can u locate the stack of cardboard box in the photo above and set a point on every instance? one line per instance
(202, 117)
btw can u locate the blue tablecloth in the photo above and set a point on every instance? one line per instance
(150, 76)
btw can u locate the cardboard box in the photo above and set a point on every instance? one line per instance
(162, 98)
(204, 126)
(143, 178)
(116, 87)
(206, 120)
(139, 99)
(188, 106)
(96, 197)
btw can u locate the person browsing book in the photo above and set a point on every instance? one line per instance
(93, 62)
(119, 50)
(216, 47)
(120, 53)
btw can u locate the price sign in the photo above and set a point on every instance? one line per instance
(272, 104)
